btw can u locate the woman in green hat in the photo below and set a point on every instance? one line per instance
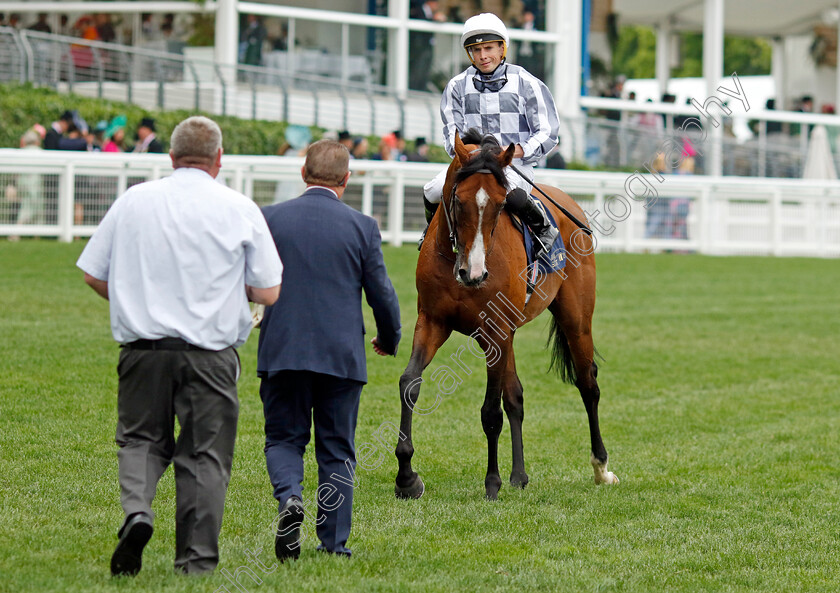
(115, 135)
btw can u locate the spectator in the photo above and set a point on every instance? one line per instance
(281, 42)
(679, 207)
(345, 139)
(421, 44)
(104, 27)
(671, 99)
(773, 127)
(41, 24)
(251, 42)
(296, 144)
(178, 258)
(147, 26)
(86, 28)
(681, 120)
(147, 140)
(311, 358)
(530, 55)
(806, 105)
(57, 130)
(64, 27)
(388, 148)
(421, 151)
(360, 149)
(99, 136)
(30, 189)
(14, 21)
(657, 223)
(115, 135)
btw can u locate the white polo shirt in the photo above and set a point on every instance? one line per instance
(177, 253)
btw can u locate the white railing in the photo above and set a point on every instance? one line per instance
(69, 192)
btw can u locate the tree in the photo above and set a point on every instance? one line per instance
(634, 54)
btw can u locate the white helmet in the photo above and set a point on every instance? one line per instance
(482, 28)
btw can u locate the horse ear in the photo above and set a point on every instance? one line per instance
(460, 149)
(507, 156)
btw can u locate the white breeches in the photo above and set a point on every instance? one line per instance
(434, 189)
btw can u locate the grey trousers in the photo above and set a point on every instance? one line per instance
(199, 388)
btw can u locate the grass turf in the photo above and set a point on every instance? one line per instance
(719, 407)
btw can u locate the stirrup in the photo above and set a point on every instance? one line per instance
(547, 235)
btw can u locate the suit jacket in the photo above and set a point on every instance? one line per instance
(330, 253)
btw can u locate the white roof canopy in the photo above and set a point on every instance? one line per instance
(741, 17)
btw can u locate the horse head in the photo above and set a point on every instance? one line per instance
(475, 201)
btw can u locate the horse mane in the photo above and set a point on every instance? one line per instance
(486, 160)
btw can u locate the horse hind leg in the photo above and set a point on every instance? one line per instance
(587, 384)
(574, 352)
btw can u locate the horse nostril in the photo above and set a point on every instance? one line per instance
(462, 273)
(484, 276)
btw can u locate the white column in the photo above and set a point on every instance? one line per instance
(663, 55)
(227, 37)
(779, 72)
(712, 74)
(564, 21)
(398, 47)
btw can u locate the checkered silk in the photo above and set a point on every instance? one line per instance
(521, 112)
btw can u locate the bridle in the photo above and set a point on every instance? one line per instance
(449, 214)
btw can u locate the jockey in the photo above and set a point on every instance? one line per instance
(508, 102)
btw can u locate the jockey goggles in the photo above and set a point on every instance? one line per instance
(494, 85)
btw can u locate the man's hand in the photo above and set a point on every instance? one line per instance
(518, 153)
(377, 349)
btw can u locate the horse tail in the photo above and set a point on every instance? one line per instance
(561, 353)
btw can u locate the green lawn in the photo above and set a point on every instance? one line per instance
(719, 409)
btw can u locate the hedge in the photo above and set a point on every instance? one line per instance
(22, 106)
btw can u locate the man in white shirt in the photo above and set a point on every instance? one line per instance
(178, 258)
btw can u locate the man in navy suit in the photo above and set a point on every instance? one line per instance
(312, 349)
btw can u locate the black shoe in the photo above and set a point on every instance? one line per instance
(287, 540)
(535, 217)
(134, 535)
(345, 553)
(422, 238)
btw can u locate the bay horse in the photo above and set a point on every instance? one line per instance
(470, 279)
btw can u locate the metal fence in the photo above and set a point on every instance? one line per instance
(65, 195)
(161, 80)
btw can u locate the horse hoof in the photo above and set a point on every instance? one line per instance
(414, 490)
(492, 495)
(607, 478)
(519, 481)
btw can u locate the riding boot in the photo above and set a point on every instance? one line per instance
(524, 206)
(430, 210)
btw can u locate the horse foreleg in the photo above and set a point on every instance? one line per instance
(491, 413)
(428, 338)
(514, 408)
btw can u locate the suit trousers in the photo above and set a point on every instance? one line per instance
(199, 388)
(291, 399)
